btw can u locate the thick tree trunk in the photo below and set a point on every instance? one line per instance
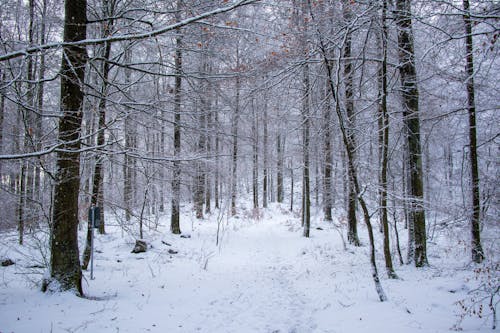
(477, 249)
(65, 267)
(409, 91)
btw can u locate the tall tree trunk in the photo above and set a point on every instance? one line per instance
(209, 173)
(234, 134)
(97, 186)
(352, 235)
(176, 176)
(128, 163)
(301, 21)
(21, 205)
(409, 92)
(201, 169)
(327, 155)
(279, 168)
(477, 249)
(217, 158)
(255, 159)
(306, 195)
(37, 188)
(383, 136)
(25, 205)
(64, 259)
(265, 169)
(199, 185)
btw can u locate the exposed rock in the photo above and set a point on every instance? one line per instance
(7, 262)
(172, 251)
(140, 246)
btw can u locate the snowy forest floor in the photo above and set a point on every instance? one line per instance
(263, 277)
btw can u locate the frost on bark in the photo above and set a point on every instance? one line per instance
(65, 271)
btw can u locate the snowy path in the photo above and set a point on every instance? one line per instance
(265, 278)
(258, 273)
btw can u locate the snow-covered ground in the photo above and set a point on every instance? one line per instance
(263, 277)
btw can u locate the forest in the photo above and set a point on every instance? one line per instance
(273, 158)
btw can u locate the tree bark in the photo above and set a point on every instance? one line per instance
(217, 158)
(65, 267)
(255, 159)
(128, 163)
(97, 186)
(265, 179)
(234, 134)
(352, 235)
(38, 132)
(409, 91)
(279, 168)
(176, 176)
(383, 136)
(327, 155)
(477, 249)
(306, 123)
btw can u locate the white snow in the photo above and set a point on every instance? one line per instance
(263, 277)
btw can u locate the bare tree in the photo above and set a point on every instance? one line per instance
(477, 249)
(234, 134)
(64, 259)
(176, 172)
(352, 234)
(409, 93)
(383, 138)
